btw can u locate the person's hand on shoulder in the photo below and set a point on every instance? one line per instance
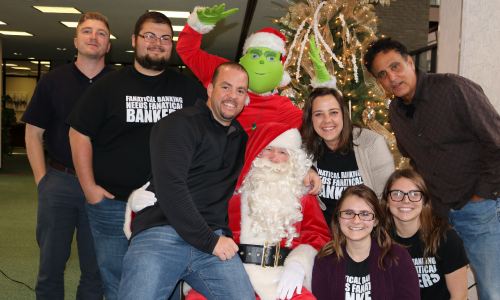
(312, 178)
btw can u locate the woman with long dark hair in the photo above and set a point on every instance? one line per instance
(435, 247)
(361, 261)
(345, 155)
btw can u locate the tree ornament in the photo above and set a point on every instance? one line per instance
(387, 102)
(289, 92)
(369, 113)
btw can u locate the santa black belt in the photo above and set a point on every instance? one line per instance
(267, 256)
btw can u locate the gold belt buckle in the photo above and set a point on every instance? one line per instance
(267, 245)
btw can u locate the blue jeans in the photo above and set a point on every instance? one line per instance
(478, 224)
(158, 258)
(61, 209)
(106, 221)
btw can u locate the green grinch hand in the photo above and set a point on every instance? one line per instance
(210, 16)
(320, 70)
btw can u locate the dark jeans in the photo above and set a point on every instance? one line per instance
(61, 209)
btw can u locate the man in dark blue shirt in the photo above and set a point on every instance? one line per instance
(61, 202)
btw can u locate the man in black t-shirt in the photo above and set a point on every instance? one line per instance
(61, 202)
(110, 129)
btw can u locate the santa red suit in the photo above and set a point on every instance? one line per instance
(260, 109)
(256, 213)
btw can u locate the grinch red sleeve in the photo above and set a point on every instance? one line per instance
(289, 113)
(200, 62)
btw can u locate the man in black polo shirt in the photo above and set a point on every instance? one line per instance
(61, 202)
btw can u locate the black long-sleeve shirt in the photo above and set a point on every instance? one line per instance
(195, 162)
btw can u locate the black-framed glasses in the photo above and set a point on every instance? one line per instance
(363, 216)
(151, 38)
(398, 196)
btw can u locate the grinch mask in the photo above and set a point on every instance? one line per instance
(264, 69)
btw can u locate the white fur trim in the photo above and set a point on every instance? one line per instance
(303, 254)
(247, 100)
(262, 281)
(186, 288)
(128, 220)
(289, 139)
(265, 94)
(246, 236)
(331, 83)
(285, 80)
(196, 24)
(265, 39)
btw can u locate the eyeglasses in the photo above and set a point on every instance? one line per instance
(363, 216)
(398, 196)
(271, 152)
(151, 38)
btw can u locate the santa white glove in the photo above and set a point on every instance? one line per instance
(140, 198)
(291, 278)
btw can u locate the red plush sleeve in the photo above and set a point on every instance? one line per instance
(234, 212)
(200, 62)
(313, 229)
(289, 113)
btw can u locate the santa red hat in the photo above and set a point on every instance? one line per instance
(269, 134)
(272, 39)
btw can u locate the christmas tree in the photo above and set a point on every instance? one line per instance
(343, 29)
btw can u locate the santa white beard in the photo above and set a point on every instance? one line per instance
(273, 192)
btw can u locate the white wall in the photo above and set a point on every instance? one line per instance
(469, 43)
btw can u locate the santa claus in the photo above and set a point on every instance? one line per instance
(277, 225)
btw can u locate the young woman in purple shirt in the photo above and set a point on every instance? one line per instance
(361, 261)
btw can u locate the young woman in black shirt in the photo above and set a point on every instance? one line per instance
(435, 247)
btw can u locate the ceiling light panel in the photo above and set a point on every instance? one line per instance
(21, 68)
(3, 23)
(20, 33)
(173, 14)
(112, 37)
(69, 24)
(177, 28)
(57, 9)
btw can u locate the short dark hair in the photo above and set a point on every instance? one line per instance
(231, 65)
(312, 142)
(154, 17)
(383, 45)
(92, 16)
